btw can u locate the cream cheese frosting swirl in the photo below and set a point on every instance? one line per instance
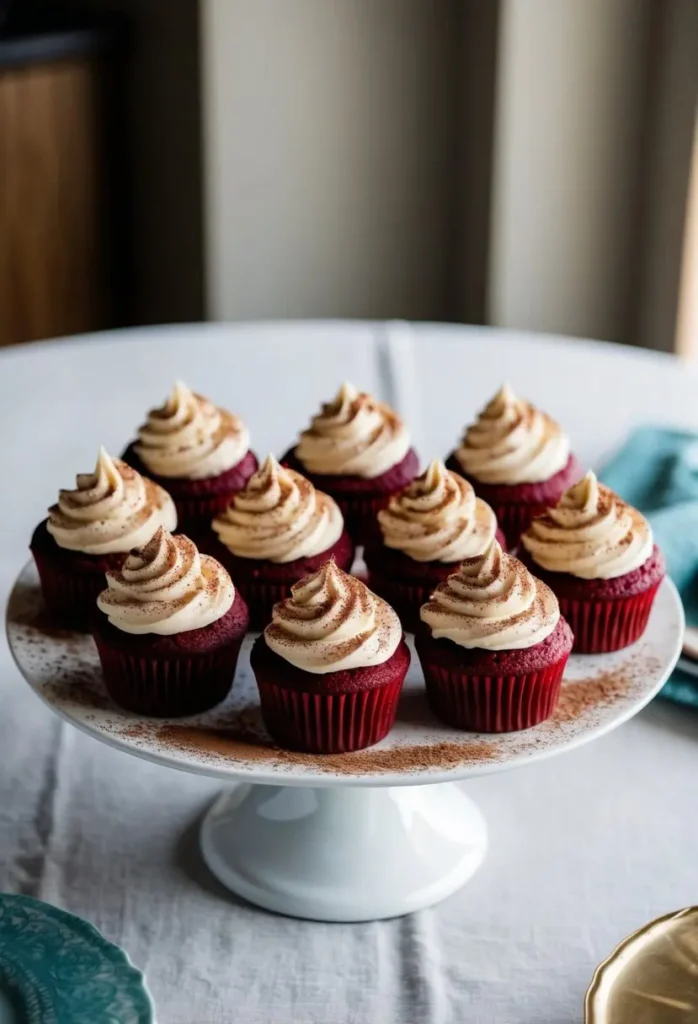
(166, 587)
(591, 533)
(511, 442)
(331, 622)
(279, 516)
(492, 603)
(437, 518)
(190, 438)
(111, 510)
(353, 435)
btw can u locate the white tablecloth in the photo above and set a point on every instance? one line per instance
(583, 848)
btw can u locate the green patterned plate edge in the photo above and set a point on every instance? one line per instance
(64, 971)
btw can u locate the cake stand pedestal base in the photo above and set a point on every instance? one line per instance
(343, 854)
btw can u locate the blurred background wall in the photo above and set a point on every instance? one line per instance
(330, 144)
(594, 124)
(571, 104)
(517, 162)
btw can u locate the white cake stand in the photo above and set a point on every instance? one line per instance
(358, 837)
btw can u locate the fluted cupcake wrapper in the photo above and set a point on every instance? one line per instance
(328, 723)
(168, 687)
(601, 626)
(492, 703)
(70, 596)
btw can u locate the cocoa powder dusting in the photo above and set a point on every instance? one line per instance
(215, 743)
(413, 758)
(229, 743)
(243, 737)
(584, 696)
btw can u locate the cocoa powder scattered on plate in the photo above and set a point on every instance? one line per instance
(229, 743)
(585, 695)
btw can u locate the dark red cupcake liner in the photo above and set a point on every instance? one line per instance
(493, 703)
(168, 687)
(334, 723)
(70, 596)
(328, 714)
(602, 626)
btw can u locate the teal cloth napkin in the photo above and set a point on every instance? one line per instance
(656, 470)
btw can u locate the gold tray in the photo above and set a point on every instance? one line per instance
(651, 977)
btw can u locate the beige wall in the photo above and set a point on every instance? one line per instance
(567, 146)
(348, 160)
(329, 136)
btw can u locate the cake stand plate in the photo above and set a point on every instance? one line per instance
(350, 837)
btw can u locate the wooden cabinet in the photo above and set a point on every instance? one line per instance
(53, 272)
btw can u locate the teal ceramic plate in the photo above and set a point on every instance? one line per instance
(56, 968)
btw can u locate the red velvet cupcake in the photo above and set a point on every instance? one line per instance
(493, 646)
(518, 460)
(598, 555)
(427, 530)
(171, 631)
(357, 450)
(197, 452)
(275, 531)
(330, 666)
(90, 531)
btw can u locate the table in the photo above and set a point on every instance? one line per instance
(583, 849)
